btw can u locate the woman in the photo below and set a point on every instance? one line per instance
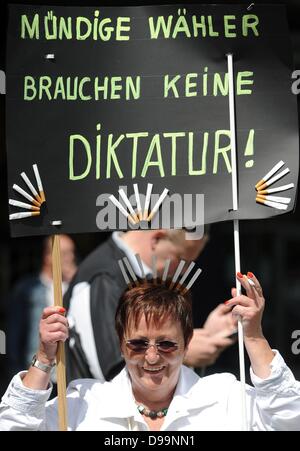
(155, 391)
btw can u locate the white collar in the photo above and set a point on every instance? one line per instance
(184, 400)
(116, 236)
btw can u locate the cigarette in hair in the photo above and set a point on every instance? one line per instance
(271, 204)
(128, 205)
(276, 190)
(39, 182)
(158, 204)
(274, 179)
(269, 174)
(166, 270)
(281, 200)
(140, 263)
(251, 282)
(31, 187)
(23, 214)
(192, 281)
(187, 272)
(26, 195)
(126, 278)
(177, 273)
(154, 268)
(121, 208)
(130, 270)
(147, 201)
(16, 203)
(138, 201)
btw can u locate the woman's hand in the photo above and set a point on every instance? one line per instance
(249, 307)
(53, 328)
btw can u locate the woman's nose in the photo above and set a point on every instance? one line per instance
(152, 355)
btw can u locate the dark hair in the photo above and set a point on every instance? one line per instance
(156, 302)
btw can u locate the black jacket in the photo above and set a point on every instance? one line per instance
(101, 271)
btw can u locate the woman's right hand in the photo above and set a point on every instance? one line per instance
(53, 328)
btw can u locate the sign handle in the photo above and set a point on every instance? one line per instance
(236, 234)
(60, 356)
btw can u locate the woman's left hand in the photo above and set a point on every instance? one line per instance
(249, 307)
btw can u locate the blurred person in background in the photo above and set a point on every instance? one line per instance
(30, 295)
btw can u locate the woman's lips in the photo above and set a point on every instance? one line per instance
(154, 370)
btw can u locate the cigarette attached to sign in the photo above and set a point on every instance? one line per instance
(16, 203)
(23, 214)
(138, 201)
(26, 195)
(274, 179)
(192, 281)
(147, 201)
(121, 208)
(39, 182)
(276, 190)
(271, 204)
(31, 187)
(269, 174)
(158, 204)
(128, 205)
(281, 200)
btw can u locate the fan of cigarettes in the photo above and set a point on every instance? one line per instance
(36, 198)
(263, 190)
(140, 214)
(171, 282)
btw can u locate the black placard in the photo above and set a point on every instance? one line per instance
(100, 98)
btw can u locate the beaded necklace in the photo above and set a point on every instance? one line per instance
(153, 414)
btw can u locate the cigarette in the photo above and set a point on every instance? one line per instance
(251, 282)
(26, 195)
(121, 208)
(39, 182)
(31, 187)
(281, 200)
(140, 263)
(158, 204)
(274, 179)
(192, 281)
(154, 267)
(130, 270)
(23, 214)
(126, 278)
(128, 205)
(16, 203)
(276, 190)
(271, 204)
(177, 273)
(147, 201)
(269, 174)
(166, 270)
(187, 272)
(138, 201)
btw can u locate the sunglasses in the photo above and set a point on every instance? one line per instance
(138, 345)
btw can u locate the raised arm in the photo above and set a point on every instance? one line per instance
(250, 308)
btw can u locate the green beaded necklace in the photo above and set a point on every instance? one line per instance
(153, 414)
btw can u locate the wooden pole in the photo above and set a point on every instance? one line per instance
(60, 356)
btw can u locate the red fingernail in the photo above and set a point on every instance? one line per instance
(62, 310)
(239, 275)
(250, 274)
(226, 302)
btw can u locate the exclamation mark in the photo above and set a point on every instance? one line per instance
(249, 151)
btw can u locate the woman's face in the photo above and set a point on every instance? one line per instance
(153, 369)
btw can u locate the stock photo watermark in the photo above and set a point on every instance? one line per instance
(2, 342)
(296, 344)
(176, 212)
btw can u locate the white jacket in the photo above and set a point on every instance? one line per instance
(210, 403)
